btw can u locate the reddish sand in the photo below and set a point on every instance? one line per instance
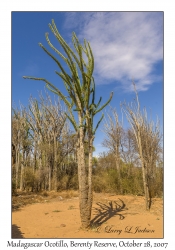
(113, 216)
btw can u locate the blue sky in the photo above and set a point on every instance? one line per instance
(125, 45)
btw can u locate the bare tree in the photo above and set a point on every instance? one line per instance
(41, 143)
(147, 140)
(113, 141)
(21, 143)
(16, 144)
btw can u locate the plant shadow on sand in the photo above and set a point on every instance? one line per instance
(16, 233)
(104, 212)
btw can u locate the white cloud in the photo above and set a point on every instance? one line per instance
(126, 45)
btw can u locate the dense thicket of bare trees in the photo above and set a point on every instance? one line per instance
(42, 144)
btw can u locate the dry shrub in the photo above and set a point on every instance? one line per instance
(29, 178)
(156, 184)
(68, 182)
(68, 194)
(45, 194)
(102, 183)
(14, 187)
(108, 181)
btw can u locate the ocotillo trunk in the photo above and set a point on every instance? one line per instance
(90, 194)
(85, 190)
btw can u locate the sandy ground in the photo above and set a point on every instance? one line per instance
(113, 216)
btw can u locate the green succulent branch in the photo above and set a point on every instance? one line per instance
(98, 124)
(104, 104)
(52, 88)
(81, 94)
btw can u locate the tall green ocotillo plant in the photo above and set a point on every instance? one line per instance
(80, 86)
